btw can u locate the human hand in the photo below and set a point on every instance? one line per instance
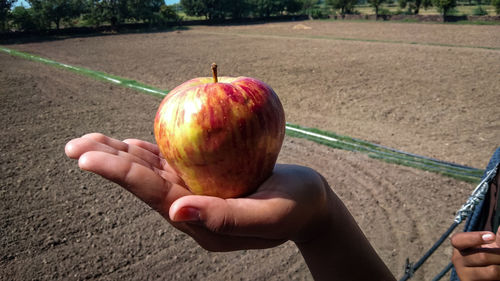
(293, 204)
(476, 255)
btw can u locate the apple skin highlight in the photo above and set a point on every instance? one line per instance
(222, 138)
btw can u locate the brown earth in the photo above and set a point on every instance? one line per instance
(423, 88)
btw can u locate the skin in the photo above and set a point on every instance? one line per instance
(476, 255)
(295, 203)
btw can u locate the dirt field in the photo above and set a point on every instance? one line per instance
(423, 88)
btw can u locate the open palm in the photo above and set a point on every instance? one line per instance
(287, 206)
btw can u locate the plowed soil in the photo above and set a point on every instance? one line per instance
(428, 89)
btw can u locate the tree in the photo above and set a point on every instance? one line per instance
(54, 11)
(414, 5)
(345, 6)
(143, 10)
(194, 8)
(111, 11)
(308, 5)
(310, 8)
(239, 9)
(444, 6)
(294, 6)
(22, 19)
(210, 9)
(167, 14)
(5, 6)
(496, 4)
(376, 5)
(267, 8)
(219, 9)
(94, 14)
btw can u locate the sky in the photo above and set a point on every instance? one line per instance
(25, 4)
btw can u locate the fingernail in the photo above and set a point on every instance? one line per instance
(488, 237)
(187, 214)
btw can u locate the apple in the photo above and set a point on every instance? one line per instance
(222, 135)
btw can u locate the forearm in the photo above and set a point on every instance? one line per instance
(340, 251)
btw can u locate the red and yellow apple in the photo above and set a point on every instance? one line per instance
(222, 135)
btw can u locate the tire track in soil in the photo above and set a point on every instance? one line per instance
(376, 196)
(396, 213)
(354, 188)
(391, 203)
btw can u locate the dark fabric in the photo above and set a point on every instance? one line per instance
(496, 216)
(482, 213)
(493, 214)
(478, 219)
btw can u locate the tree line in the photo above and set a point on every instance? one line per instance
(47, 14)
(222, 9)
(410, 7)
(236, 9)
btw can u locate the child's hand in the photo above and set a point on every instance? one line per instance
(290, 205)
(476, 255)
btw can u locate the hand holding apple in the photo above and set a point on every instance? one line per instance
(222, 135)
(294, 203)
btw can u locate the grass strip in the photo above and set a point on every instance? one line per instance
(90, 73)
(386, 154)
(371, 147)
(322, 137)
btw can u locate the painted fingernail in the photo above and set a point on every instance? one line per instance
(187, 214)
(488, 237)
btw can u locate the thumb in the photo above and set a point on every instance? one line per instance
(239, 217)
(465, 240)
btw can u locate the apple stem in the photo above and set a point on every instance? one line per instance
(214, 72)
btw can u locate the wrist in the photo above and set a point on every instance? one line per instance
(335, 247)
(320, 218)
